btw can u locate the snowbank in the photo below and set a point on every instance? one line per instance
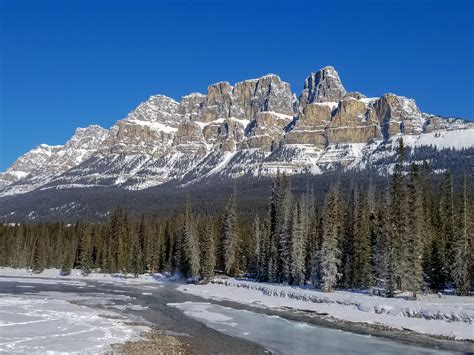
(450, 316)
(79, 275)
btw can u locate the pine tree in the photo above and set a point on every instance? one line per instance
(399, 226)
(208, 252)
(362, 250)
(37, 262)
(230, 237)
(414, 246)
(447, 225)
(255, 247)
(138, 255)
(285, 238)
(330, 258)
(264, 252)
(382, 242)
(463, 246)
(67, 257)
(86, 248)
(278, 210)
(314, 248)
(297, 246)
(191, 244)
(430, 213)
(123, 236)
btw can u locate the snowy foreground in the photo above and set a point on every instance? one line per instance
(47, 322)
(449, 316)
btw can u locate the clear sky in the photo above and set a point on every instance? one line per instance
(70, 63)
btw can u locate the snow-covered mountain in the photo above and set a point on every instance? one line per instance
(255, 127)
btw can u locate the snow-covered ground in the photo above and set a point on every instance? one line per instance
(449, 316)
(78, 275)
(48, 323)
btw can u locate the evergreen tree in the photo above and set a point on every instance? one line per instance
(230, 237)
(124, 244)
(191, 244)
(256, 246)
(447, 225)
(314, 248)
(285, 238)
(463, 246)
(414, 245)
(86, 249)
(362, 250)
(278, 211)
(208, 253)
(264, 252)
(136, 250)
(297, 247)
(67, 257)
(399, 226)
(333, 225)
(37, 262)
(382, 243)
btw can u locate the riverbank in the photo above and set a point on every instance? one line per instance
(444, 323)
(154, 342)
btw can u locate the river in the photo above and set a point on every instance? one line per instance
(210, 327)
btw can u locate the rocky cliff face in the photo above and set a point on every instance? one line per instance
(254, 127)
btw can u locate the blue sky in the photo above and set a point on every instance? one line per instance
(65, 64)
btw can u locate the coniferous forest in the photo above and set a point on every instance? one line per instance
(409, 234)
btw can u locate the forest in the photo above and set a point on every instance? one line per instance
(411, 233)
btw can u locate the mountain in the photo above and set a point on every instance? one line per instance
(255, 127)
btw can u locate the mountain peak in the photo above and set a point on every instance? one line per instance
(323, 86)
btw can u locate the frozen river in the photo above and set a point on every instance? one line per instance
(207, 327)
(282, 336)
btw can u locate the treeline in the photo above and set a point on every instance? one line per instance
(404, 235)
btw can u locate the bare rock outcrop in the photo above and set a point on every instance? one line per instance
(397, 114)
(323, 86)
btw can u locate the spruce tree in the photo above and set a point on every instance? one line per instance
(333, 225)
(230, 237)
(208, 252)
(285, 238)
(86, 249)
(264, 252)
(191, 244)
(447, 224)
(37, 261)
(67, 257)
(382, 242)
(124, 242)
(399, 226)
(255, 246)
(463, 245)
(297, 246)
(414, 246)
(362, 250)
(278, 211)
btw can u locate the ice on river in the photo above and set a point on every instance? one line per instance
(450, 316)
(282, 336)
(41, 324)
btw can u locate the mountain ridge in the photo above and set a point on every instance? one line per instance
(256, 126)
